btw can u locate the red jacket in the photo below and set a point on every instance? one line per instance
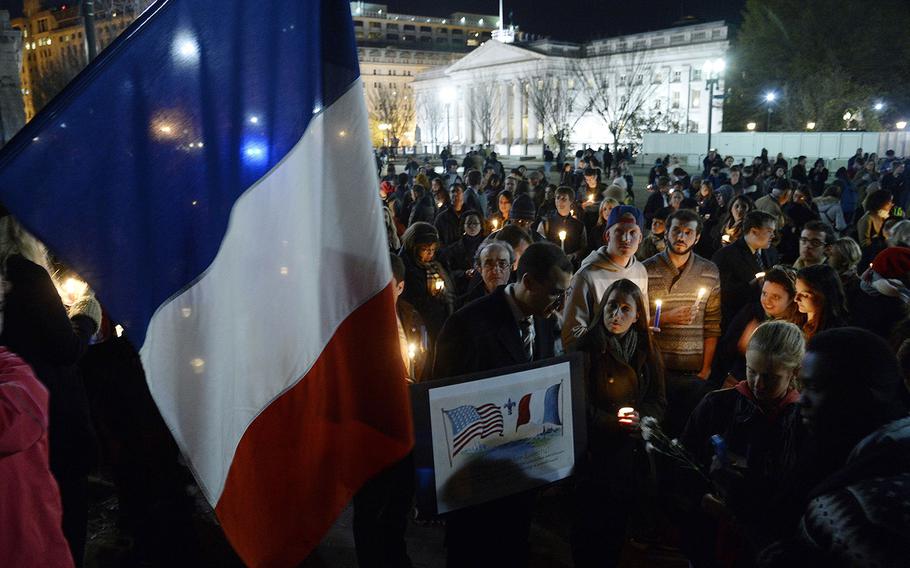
(30, 509)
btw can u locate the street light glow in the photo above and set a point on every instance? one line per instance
(750, 126)
(771, 97)
(901, 124)
(715, 66)
(879, 106)
(810, 125)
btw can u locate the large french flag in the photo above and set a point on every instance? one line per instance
(210, 176)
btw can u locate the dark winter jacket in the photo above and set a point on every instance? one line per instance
(36, 327)
(448, 224)
(423, 210)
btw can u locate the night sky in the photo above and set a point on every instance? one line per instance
(570, 20)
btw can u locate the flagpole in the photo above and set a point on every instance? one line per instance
(89, 23)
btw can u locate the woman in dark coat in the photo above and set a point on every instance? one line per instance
(760, 482)
(427, 284)
(623, 372)
(458, 258)
(52, 339)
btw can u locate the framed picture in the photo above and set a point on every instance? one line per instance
(485, 436)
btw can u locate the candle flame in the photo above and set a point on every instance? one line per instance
(495, 223)
(701, 293)
(625, 410)
(412, 351)
(658, 303)
(725, 238)
(759, 275)
(562, 235)
(440, 284)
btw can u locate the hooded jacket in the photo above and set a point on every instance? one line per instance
(831, 212)
(31, 514)
(587, 288)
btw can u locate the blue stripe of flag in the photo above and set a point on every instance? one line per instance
(130, 175)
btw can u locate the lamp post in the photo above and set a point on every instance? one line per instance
(750, 126)
(713, 70)
(769, 98)
(901, 124)
(810, 125)
(385, 127)
(447, 97)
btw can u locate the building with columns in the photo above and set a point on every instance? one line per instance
(486, 96)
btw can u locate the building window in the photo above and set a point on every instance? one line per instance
(457, 32)
(696, 74)
(695, 99)
(375, 35)
(698, 36)
(42, 25)
(658, 79)
(639, 44)
(442, 30)
(393, 37)
(375, 25)
(674, 100)
(442, 40)
(409, 28)
(677, 76)
(656, 104)
(425, 39)
(679, 38)
(391, 27)
(426, 29)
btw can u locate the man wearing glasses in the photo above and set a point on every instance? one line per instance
(742, 264)
(510, 326)
(815, 241)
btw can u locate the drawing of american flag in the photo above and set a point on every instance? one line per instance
(469, 422)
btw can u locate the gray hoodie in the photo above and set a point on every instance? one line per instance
(587, 288)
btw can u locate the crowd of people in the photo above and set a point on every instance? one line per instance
(746, 364)
(751, 322)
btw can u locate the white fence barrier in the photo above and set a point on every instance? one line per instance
(834, 147)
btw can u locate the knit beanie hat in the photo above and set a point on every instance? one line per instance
(893, 262)
(523, 208)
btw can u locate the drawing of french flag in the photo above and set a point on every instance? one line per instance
(540, 407)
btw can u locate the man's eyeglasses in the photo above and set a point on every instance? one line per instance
(500, 264)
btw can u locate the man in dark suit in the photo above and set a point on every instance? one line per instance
(740, 263)
(510, 326)
(658, 198)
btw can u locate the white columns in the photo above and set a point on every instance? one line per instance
(519, 92)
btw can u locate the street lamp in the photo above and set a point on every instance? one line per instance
(713, 70)
(901, 124)
(447, 97)
(848, 116)
(810, 125)
(750, 126)
(879, 105)
(770, 97)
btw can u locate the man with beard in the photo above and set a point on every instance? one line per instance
(853, 403)
(689, 288)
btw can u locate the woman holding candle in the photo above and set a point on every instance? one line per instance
(427, 284)
(623, 373)
(458, 257)
(820, 295)
(596, 238)
(757, 477)
(498, 219)
(730, 227)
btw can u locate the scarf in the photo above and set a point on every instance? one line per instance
(623, 346)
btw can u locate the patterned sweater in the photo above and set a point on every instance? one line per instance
(682, 346)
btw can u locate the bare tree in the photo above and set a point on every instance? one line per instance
(559, 104)
(619, 100)
(431, 112)
(392, 106)
(486, 109)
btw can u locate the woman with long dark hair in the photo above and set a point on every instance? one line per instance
(820, 295)
(730, 227)
(624, 381)
(777, 303)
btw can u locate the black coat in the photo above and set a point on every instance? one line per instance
(422, 210)
(484, 336)
(458, 259)
(36, 328)
(737, 268)
(655, 202)
(448, 224)
(433, 307)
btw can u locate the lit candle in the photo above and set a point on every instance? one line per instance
(72, 289)
(495, 224)
(439, 284)
(759, 275)
(590, 198)
(725, 239)
(562, 239)
(658, 304)
(624, 414)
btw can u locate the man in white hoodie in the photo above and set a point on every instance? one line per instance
(613, 261)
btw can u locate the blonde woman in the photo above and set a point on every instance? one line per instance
(759, 423)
